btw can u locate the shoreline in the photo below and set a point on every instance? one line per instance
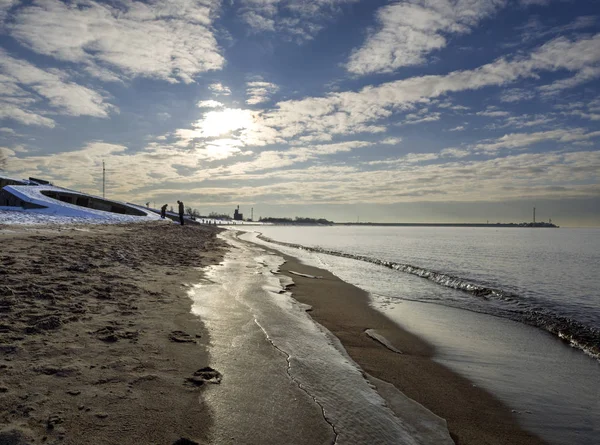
(97, 341)
(474, 416)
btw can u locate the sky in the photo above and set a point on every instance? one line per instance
(350, 110)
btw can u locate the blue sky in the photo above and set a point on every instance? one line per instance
(419, 110)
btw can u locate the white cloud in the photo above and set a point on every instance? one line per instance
(271, 159)
(259, 92)
(455, 153)
(391, 141)
(416, 118)
(585, 75)
(165, 39)
(458, 128)
(219, 149)
(209, 104)
(408, 31)
(410, 158)
(219, 89)
(343, 112)
(522, 140)
(541, 175)
(536, 29)
(516, 95)
(8, 111)
(408, 178)
(523, 121)
(493, 113)
(5, 6)
(300, 20)
(258, 22)
(63, 95)
(583, 115)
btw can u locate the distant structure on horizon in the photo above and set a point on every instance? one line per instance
(237, 216)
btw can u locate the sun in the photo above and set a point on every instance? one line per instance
(219, 123)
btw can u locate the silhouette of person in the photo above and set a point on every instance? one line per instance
(163, 211)
(180, 211)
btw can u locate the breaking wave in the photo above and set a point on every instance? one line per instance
(577, 334)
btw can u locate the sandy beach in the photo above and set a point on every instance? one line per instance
(98, 346)
(97, 342)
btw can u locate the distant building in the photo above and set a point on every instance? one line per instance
(237, 216)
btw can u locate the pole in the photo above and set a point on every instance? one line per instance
(103, 178)
(534, 215)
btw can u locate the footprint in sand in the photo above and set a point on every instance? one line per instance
(181, 337)
(205, 375)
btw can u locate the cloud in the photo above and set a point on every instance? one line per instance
(219, 149)
(458, 128)
(586, 74)
(209, 104)
(522, 140)
(415, 178)
(416, 118)
(344, 112)
(8, 111)
(165, 39)
(259, 92)
(219, 89)
(300, 20)
(78, 169)
(454, 153)
(493, 113)
(523, 121)
(410, 158)
(275, 176)
(536, 29)
(20, 80)
(516, 95)
(408, 31)
(272, 159)
(391, 141)
(5, 6)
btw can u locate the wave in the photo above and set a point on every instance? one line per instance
(577, 334)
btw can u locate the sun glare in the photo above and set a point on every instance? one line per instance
(218, 123)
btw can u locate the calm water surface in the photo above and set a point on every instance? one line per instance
(547, 278)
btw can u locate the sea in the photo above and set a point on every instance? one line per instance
(515, 310)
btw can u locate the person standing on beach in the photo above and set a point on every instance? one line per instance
(163, 211)
(180, 212)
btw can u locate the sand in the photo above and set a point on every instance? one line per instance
(97, 343)
(389, 353)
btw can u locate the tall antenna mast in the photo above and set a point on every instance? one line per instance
(534, 215)
(103, 177)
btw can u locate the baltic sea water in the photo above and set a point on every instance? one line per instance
(545, 278)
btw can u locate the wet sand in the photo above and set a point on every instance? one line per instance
(97, 342)
(474, 416)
